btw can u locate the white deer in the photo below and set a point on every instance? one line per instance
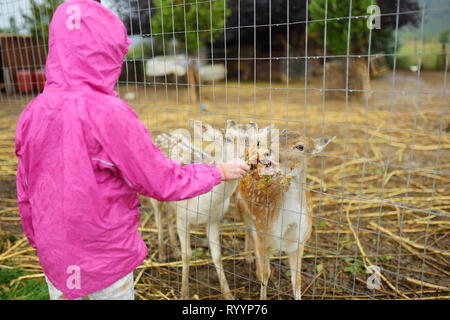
(178, 146)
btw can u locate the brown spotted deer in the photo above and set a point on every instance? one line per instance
(277, 210)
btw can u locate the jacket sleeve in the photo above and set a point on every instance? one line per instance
(145, 167)
(24, 204)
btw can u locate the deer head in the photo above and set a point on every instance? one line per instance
(295, 149)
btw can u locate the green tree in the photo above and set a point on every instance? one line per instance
(337, 24)
(444, 38)
(37, 19)
(190, 22)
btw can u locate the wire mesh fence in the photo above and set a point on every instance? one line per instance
(366, 218)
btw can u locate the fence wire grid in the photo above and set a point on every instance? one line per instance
(371, 73)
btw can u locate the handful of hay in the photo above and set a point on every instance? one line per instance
(263, 176)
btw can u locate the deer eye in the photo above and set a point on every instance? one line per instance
(299, 147)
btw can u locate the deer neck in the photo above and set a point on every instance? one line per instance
(298, 173)
(224, 191)
(297, 187)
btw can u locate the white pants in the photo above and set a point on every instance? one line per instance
(122, 289)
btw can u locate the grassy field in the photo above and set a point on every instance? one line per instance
(431, 57)
(28, 289)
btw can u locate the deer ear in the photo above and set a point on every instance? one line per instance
(193, 123)
(320, 144)
(283, 136)
(267, 129)
(208, 132)
(253, 125)
(196, 123)
(265, 133)
(231, 123)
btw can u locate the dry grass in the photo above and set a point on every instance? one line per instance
(380, 190)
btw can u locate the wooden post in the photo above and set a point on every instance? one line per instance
(8, 81)
(193, 79)
(444, 54)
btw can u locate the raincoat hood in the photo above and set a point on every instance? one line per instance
(87, 45)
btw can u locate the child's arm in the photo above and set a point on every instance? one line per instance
(24, 204)
(145, 168)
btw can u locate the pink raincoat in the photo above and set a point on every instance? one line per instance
(83, 155)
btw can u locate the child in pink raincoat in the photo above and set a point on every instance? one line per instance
(83, 156)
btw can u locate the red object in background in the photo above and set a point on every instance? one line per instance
(38, 80)
(31, 80)
(25, 81)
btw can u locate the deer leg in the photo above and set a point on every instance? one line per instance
(159, 224)
(212, 230)
(262, 265)
(186, 251)
(295, 263)
(172, 232)
(248, 246)
(242, 211)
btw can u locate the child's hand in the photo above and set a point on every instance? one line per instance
(234, 169)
